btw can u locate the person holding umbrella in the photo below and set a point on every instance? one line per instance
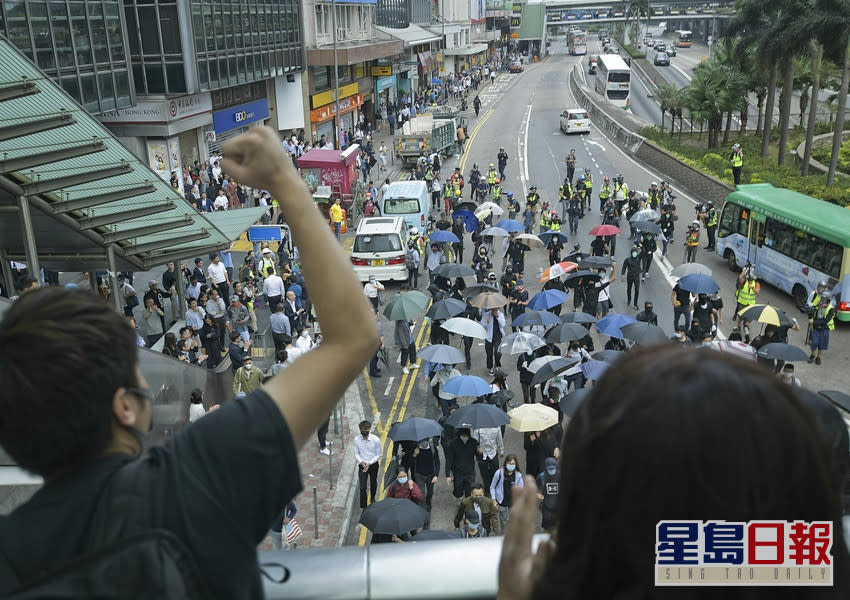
(493, 321)
(434, 258)
(405, 488)
(491, 447)
(426, 469)
(460, 462)
(405, 341)
(445, 401)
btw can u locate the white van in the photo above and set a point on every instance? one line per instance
(380, 245)
(409, 200)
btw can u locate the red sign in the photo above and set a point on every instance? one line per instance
(319, 115)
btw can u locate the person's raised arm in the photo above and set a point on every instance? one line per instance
(307, 390)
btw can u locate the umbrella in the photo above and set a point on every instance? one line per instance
(530, 240)
(548, 236)
(538, 363)
(501, 398)
(393, 516)
(780, 351)
(557, 270)
(470, 221)
(446, 309)
(570, 403)
(442, 354)
(565, 332)
(495, 232)
(605, 230)
(478, 416)
(468, 205)
(511, 225)
(607, 355)
(535, 317)
(611, 324)
(698, 284)
(451, 270)
(384, 357)
(690, 269)
(404, 305)
(764, 313)
(415, 429)
(647, 227)
(594, 369)
(647, 214)
(429, 535)
(465, 327)
(578, 317)
(520, 342)
(414, 296)
(441, 237)
(477, 288)
(644, 334)
(739, 349)
(595, 262)
(488, 300)
(467, 385)
(552, 368)
(547, 299)
(493, 208)
(840, 399)
(532, 417)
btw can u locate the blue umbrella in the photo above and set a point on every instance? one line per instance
(441, 353)
(594, 369)
(440, 237)
(535, 317)
(611, 324)
(470, 221)
(511, 225)
(547, 299)
(547, 236)
(698, 283)
(467, 385)
(436, 81)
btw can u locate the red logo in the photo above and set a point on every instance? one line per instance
(172, 108)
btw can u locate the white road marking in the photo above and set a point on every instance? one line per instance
(595, 144)
(389, 385)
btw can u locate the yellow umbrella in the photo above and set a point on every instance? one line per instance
(765, 313)
(532, 417)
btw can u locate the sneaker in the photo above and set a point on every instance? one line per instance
(817, 360)
(325, 451)
(405, 371)
(811, 358)
(412, 367)
(635, 306)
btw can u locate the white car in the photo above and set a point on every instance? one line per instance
(380, 246)
(575, 120)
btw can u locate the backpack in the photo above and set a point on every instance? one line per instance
(408, 261)
(131, 559)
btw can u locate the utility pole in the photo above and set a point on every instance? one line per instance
(337, 142)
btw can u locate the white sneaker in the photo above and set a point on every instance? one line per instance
(405, 371)
(414, 366)
(325, 451)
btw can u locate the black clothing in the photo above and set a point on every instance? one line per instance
(632, 268)
(460, 464)
(646, 317)
(219, 496)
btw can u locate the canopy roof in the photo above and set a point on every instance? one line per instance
(87, 192)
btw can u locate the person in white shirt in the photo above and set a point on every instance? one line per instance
(220, 201)
(216, 171)
(274, 289)
(195, 315)
(304, 343)
(493, 322)
(217, 275)
(193, 290)
(608, 276)
(372, 289)
(382, 155)
(292, 353)
(367, 452)
(491, 448)
(196, 406)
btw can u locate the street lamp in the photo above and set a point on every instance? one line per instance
(338, 116)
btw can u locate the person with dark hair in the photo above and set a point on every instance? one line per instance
(501, 488)
(460, 462)
(367, 452)
(482, 507)
(169, 346)
(223, 480)
(426, 470)
(625, 437)
(548, 485)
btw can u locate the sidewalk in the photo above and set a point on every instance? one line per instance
(334, 505)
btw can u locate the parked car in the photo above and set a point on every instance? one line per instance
(516, 67)
(661, 60)
(575, 120)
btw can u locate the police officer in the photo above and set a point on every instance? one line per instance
(604, 194)
(571, 165)
(813, 301)
(708, 215)
(533, 198)
(654, 195)
(545, 220)
(745, 295)
(588, 188)
(513, 205)
(736, 158)
(821, 321)
(491, 175)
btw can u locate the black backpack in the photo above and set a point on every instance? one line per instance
(131, 559)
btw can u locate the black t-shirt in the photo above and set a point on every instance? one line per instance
(222, 482)
(683, 296)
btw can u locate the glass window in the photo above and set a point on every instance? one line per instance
(832, 260)
(218, 28)
(122, 88)
(176, 77)
(72, 87)
(89, 90)
(320, 77)
(100, 44)
(170, 30)
(156, 78)
(107, 91)
(139, 78)
(40, 34)
(114, 32)
(198, 22)
(203, 75)
(780, 237)
(401, 206)
(222, 71)
(19, 34)
(382, 242)
(80, 31)
(45, 59)
(227, 25)
(148, 30)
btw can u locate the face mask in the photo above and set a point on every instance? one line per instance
(634, 254)
(472, 526)
(464, 438)
(365, 434)
(510, 468)
(402, 480)
(248, 366)
(477, 499)
(551, 470)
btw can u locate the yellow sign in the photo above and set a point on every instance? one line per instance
(515, 34)
(382, 71)
(327, 96)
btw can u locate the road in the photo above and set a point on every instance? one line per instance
(520, 112)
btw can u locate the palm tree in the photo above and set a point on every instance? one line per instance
(707, 96)
(665, 95)
(638, 9)
(816, 51)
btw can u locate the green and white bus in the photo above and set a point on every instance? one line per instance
(794, 241)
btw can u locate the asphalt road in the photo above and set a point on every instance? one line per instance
(520, 112)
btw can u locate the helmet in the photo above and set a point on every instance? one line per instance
(587, 171)
(414, 231)
(457, 193)
(474, 165)
(581, 178)
(825, 297)
(576, 246)
(822, 284)
(492, 165)
(491, 276)
(510, 194)
(498, 180)
(694, 222)
(653, 184)
(554, 213)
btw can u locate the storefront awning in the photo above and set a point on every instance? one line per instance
(467, 51)
(411, 35)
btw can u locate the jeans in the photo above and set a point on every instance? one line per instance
(504, 516)
(690, 254)
(372, 474)
(577, 380)
(408, 355)
(337, 227)
(682, 310)
(413, 278)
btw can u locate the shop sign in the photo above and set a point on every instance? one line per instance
(384, 83)
(239, 116)
(160, 111)
(515, 21)
(382, 71)
(324, 113)
(328, 96)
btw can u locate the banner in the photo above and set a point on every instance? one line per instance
(476, 11)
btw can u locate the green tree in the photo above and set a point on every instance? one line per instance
(665, 95)
(638, 9)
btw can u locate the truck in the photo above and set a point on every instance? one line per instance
(431, 131)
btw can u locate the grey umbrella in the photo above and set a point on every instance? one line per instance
(441, 353)
(552, 368)
(578, 317)
(690, 269)
(646, 227)
(446, 309)
(607, 355)
(644, 334)
(478, 416)
(594, 262)
(451, 270)
(415, 429)
(780, 351)
(565, 332)
(570, 403)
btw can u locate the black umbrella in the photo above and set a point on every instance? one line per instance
(478, 416)
(451, 270)
(477, 288)
(427, 535)
(501, 398)
(644, 334)
(466, 206)
(780, 351)
(393, 516)
(552, 368)
(595, 262)
(607, 355)
(570, 403)
(446, 309)
(578, 317)
(565, 332)
(839, 399)
(415, 429)
(572, 280)
(646, 227)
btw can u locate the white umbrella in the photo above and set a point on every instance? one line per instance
(521, 342)
(530, 240)
(647, 214)
(491, 206)
(494, 231)
(465, 327)
(534, 365)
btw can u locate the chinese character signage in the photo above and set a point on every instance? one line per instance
(754, 553)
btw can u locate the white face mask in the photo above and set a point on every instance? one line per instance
(248, 366)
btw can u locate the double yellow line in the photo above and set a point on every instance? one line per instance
(397, 413)
(468, 145)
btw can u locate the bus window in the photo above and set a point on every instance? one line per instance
(780, 237)
(734, 220)
(832, 260)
